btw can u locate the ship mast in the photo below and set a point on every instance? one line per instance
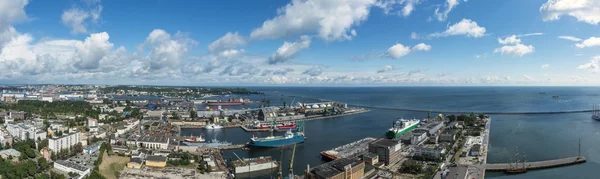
(280, 172)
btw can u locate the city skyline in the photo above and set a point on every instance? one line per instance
(325, 43)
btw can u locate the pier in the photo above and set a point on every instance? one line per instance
(356, 111)
(538, 165)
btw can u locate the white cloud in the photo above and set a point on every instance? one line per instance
(490, 79)
(329, 20)
(421, 47)
(527, 77)
(231, 53)
(587, 11)
(591, 42)
(78, 18)
(398, 50)
(92, 50)
(465, 27)
(289, 49)
(12, 11)
(385, 68)
(571, 38)
(530, 34)
(414, 35)
(509, 40)
(507, 78)
(449, 5)
(166, 51)
(228, 41)
(592, 65)
(515, 50)
(577, 78)
(544, 66)
(314, 71)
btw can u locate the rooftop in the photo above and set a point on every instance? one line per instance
(155, 139)
(385, 142)
(334, 167)
(156, 158)
(135, 160)
(72, 165)
(9, 152)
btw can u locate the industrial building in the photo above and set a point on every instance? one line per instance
(388, 150)
(156, 161)
(371, 158)
(67, 167)
(150, 142)
(57, 143)
(448, 135)
(338, 169)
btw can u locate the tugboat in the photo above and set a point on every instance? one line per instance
(596, 113)
(192, 139)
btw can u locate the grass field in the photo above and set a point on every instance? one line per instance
(111, 165)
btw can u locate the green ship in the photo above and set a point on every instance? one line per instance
(400, 127)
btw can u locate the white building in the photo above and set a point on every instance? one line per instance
(70, 95)
(430, 150)
(22, 131)
(63, 142)
(67, 167)
(14, 95)
(93, 148)
(47, 98)
(151, 142)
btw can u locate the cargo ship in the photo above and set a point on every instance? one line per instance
(402, 126)
(348, 150)
(230, 102)
(193, 139)
(212, 143)
(253, 164)
(288, 138)
(287, 125)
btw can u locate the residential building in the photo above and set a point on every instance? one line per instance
(418, 138)
(67, 167)
(343, 168)
(120, 149)
(24, 131)
(57, 143)
(388, 150)
(156, 161)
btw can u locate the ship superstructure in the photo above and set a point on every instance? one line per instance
(402, 126)
(596, 113)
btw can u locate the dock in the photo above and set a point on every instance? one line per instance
(539, 164)
(357, 111)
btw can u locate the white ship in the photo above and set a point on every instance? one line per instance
(213, 126)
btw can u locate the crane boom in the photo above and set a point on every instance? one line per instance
(292, 163)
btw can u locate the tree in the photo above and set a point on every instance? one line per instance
(46, 123)
(42, 163)
(42, 176)
(452, 118)
(54, 175)
(193, 114)
(43, 143)
(96, 175)
(481, 116)
(174, 115)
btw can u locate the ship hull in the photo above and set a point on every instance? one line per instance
(597, 118)
(224, 103)
(328, 157)
(277, 143)
(393, 135)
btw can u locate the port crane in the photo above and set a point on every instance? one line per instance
(292, 163)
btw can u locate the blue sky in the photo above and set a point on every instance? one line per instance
(301, 42)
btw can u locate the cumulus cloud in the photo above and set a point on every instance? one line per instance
(78, 18)
(228, 41)
(398, 50)
(592, 65)
(283, 72)
(329, 20)
(571, 38)
(92, 50)
(577, 78)
(12, 11)
(449, 5)
(385, 68)
(165, 50)
(465, 27)
(289, 49)
(515, 50)
(509, 40)
(490, 79)
(421, 47)
(587, 11)
(591, 42)
(414, 35)
(232, 70)
(544, 66)
(527, 77)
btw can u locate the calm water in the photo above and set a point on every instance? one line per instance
(541, 137)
